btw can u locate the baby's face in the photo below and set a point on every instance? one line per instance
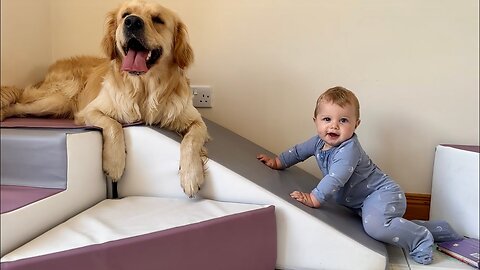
(335, 124)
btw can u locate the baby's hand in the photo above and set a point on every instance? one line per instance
(273, 163)
(306, 198)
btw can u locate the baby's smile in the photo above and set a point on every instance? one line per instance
(333, 135)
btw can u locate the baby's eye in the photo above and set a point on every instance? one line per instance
(344, 120)
(326, 119)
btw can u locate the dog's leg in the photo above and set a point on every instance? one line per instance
(8, 95)
(113, 142)
(51, 99)
(193, 157)
(56, 105)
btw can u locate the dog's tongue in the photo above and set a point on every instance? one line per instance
(135, 61)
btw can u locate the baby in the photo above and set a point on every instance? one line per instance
(351, 178)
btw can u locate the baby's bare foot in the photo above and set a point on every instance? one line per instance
(306, 198)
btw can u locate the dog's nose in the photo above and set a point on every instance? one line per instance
(133, 22)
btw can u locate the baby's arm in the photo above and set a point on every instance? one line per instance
(273, 163)
(296, 154)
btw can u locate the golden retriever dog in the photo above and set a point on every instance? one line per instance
(142, 79)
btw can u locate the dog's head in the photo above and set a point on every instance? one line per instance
(143, 34)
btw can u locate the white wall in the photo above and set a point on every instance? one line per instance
(26, 49)
(413, 64)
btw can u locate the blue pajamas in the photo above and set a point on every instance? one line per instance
(382, 213)
(353, 180)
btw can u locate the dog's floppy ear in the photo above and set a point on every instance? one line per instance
(182, 51)
(108, 41)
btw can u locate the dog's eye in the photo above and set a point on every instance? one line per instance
(125, 14)
(157, 19)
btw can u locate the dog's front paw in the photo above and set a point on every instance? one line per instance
(192, 176)
(114, 161)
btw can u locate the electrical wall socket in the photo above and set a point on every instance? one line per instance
(202, 96)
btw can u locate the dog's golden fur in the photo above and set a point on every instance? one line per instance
(107, 93)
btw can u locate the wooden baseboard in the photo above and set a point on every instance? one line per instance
(418, 206)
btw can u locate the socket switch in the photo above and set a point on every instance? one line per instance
(202, 96)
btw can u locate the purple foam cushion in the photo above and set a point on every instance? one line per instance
(40, 123)
(14, 197)
(471, 148)
(37, 122)
(230, 240)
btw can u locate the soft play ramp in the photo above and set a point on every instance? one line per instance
(328, 238)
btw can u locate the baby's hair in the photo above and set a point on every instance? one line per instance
(340, 96)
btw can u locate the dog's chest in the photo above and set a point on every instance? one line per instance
(129, 113)
(145, 103)
(149, 112)
(151, 109)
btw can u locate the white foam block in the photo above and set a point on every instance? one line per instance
(86, 186)
(455, 189)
